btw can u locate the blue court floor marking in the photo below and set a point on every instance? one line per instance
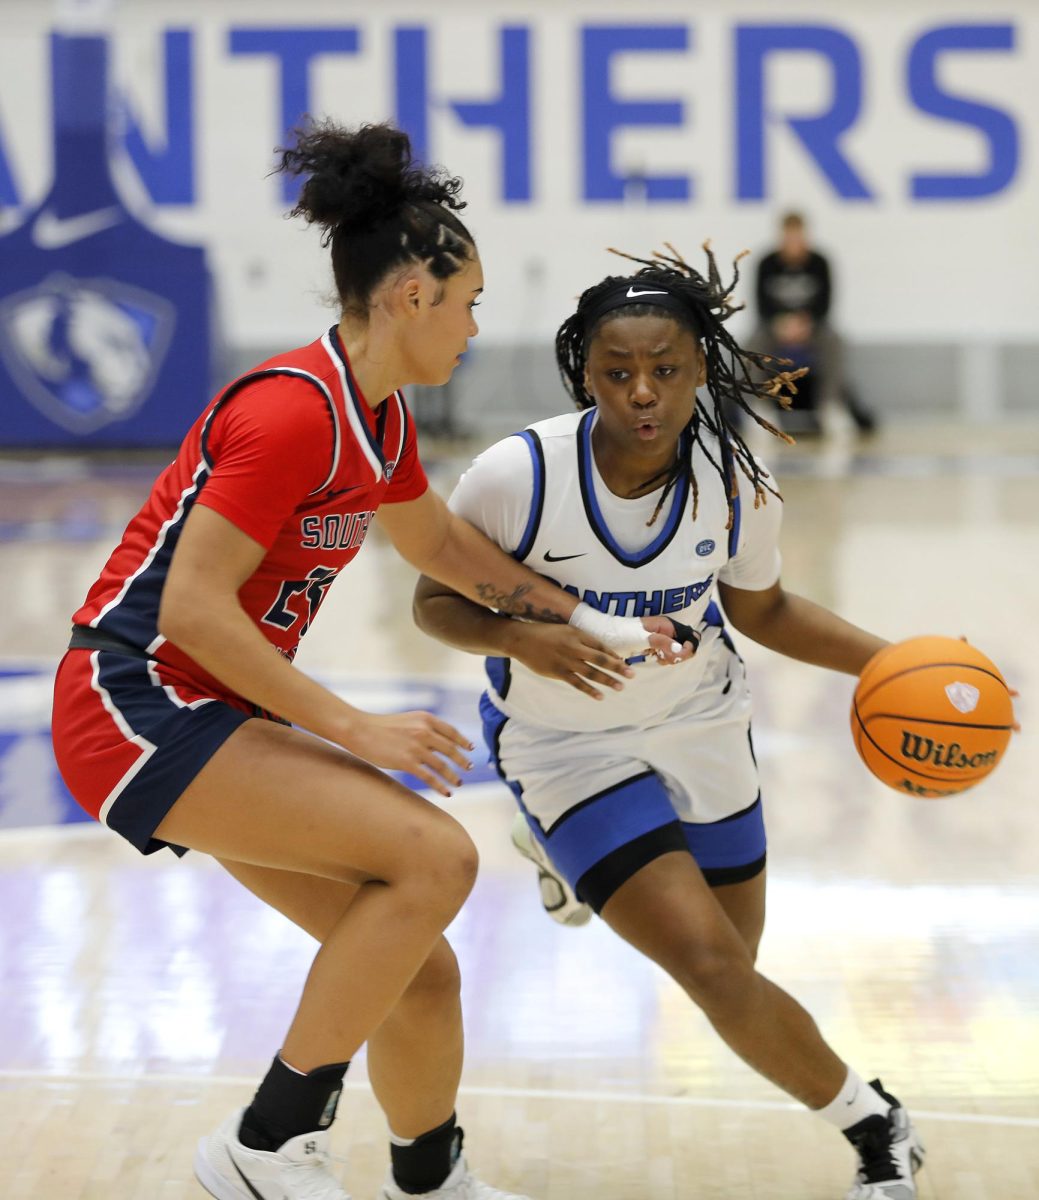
(32, 792)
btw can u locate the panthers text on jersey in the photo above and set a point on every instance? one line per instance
(539, 495)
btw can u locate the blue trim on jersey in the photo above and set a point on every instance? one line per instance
(136, 616)
(359, 406)
(712, 616)
(585, 469)
(499, 673)
(537, 496)
(730, 470)
(493, 721)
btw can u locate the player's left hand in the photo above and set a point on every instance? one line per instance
(665, 635)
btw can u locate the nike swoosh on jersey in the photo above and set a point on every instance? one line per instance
(51, 232)
(343, 491)
(550, 557)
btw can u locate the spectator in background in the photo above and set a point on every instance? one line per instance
(794, 293)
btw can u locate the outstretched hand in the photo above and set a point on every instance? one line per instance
(416, 742)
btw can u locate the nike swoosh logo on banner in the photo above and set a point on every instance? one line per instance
(550, 557)
(51, 232)
(631, 294)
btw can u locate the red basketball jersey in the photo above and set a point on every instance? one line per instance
(291, 454)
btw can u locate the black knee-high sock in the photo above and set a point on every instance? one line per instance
(289, 1102)
(424, 1164)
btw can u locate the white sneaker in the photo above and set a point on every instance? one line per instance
(557, 896)
(890, 1153)
(459, 1185)
(298, 1170)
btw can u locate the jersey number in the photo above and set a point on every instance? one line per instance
(317, 582)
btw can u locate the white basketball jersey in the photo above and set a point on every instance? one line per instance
(572, 530)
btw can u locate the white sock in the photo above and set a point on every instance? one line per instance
(397, 1140)
(853, 1103)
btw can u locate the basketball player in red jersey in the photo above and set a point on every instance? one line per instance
(180, 721)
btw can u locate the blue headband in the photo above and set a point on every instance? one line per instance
(635, 291)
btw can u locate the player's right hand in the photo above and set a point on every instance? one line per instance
(566, 653)
(416, 742)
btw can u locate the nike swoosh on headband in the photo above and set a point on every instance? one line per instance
(631, 294)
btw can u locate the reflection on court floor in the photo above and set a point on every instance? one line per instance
(143, 997)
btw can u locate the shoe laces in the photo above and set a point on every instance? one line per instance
(312, 1178)
(876, 1154)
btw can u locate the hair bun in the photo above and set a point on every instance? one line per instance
(358, 178)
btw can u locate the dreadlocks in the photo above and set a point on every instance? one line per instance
(734, 374)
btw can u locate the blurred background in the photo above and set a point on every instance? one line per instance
(135, 184)
(877, 160)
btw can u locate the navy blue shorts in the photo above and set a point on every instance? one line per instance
(128, 743)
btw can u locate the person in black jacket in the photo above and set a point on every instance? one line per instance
(794, 292)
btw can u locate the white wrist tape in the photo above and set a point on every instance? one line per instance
(623, 635)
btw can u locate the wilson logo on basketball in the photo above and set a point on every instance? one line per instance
(923, 749)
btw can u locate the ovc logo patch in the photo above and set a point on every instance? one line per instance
(705, 547)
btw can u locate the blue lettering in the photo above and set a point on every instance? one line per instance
(8, 191)
(674, 600)
(995, 125)
(413, 87)
(598, 600)
(820, 134)
(294, 48)
(168, 171)
(623, 601)
(695, 590)
(648, 606)
(310, 527)
(603, 113)
(508, 113)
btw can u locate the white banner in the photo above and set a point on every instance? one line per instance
(906, 133)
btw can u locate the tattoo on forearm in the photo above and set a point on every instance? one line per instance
(514, 603)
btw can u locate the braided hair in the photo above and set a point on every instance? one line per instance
(734, 374)
(378, 206)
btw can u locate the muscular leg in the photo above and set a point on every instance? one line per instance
(275, 797)
(744, 905)
(667, 911)
(415, 1056)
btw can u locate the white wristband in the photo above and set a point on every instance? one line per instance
(623, 635)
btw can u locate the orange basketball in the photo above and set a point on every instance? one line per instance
(931, 716)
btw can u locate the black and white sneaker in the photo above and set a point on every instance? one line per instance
(557, 897)
(890, 1154)
(298, 1170)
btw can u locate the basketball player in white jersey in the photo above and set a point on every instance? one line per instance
(644, 805)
